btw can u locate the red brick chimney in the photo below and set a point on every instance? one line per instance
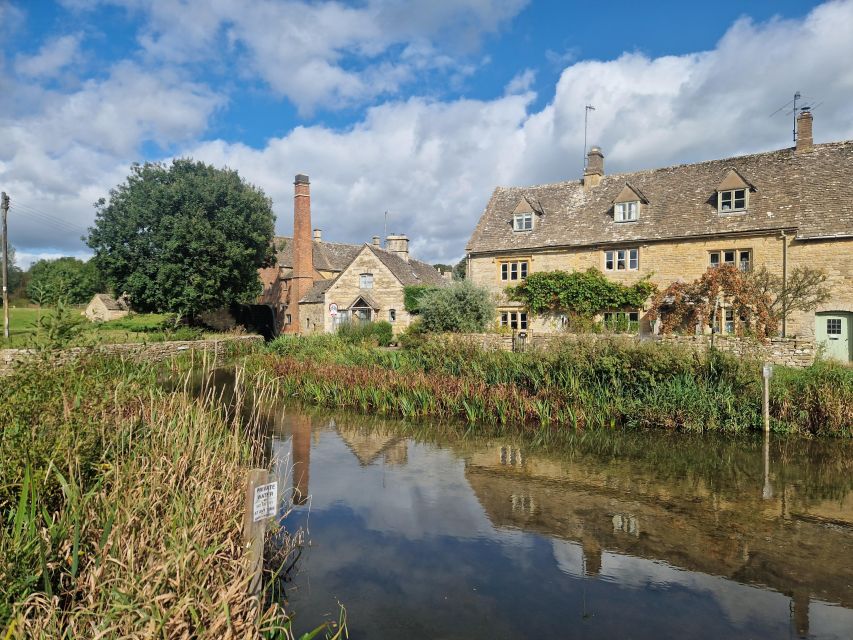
(302, 278)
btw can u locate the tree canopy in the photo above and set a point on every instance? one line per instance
(66, 279)
(460, 306)
(185, 237)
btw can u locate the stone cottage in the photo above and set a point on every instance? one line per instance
(780, 209)
(316, 285)
(104, 307)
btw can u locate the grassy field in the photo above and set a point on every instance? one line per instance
(138, 327)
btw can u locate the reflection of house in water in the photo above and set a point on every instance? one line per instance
(301, 448)
(369, 444)
(624, 510)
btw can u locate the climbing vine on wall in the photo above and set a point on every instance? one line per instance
(685, 305)
(584, 293)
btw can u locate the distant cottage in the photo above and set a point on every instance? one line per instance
(104, 307)
(316, 285)
(779, 209)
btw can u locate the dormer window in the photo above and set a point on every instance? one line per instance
(626, 211)
(733, 193)
(626, 206)
(522, 222)
(734, 200)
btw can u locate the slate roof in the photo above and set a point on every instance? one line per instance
(109, 302)
(328, 256)
(811, 192)
(317, 293)
(408, 272)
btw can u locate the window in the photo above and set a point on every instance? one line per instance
(833, 327)
(622, 321)
(522, 222)
(514, 270)
(622, 260)
(734, 200)
(392, 315)
(365, 281)
(626, 211)
(741, 258)
(287, 318)
(514, 319)
(729, 320)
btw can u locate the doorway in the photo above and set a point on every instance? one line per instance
(833, 332)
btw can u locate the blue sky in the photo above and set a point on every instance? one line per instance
(417, 108)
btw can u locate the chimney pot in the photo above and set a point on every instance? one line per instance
(318, 235)
(804, 130)
(594, 169)
(398, 244)
(375, 241)
(301, 178)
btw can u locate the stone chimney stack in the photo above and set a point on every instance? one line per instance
(804, 130)
(303, 250)
(399, 245)
(318, 235)
(375, 241)
(594, 168)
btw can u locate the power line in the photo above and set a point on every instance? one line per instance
(66, 225)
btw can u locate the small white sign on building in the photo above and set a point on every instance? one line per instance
(266, 501)
(333, 310)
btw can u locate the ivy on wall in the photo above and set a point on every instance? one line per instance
(412, 295)
(584, 293)
(684, 305)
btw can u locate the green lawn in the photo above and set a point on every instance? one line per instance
(137, 327)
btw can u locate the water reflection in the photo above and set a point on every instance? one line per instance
(631, 535)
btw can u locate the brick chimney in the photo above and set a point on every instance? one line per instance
(399, 245)
(804, 130)
(303, 250)
(594, 169)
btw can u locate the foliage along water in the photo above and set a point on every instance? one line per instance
(630, 535)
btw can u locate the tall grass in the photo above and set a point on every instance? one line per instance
(121, 507)
(601, 383)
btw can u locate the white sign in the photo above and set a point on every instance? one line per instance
(266, 501)
(333, 309)
(768, 371)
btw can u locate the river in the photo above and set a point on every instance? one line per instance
(614, 535)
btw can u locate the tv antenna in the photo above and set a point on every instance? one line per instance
(586, 111)
(790, 108)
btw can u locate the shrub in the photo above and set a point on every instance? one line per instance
(412, 296)
(459, 307)
(381, 333)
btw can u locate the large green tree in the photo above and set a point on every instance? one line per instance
(69, 279)
(15, 273)
(185, 237)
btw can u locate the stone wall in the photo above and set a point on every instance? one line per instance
(152, 352)
(791, 352)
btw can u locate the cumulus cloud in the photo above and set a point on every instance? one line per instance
(51, 58)
(431, 164)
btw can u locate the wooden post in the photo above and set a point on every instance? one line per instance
(253, 533)
(767, 372)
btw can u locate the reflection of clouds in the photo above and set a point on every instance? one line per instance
(830, 621)
(741, 603)
(569, 557)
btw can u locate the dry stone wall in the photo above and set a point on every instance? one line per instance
(152, 352)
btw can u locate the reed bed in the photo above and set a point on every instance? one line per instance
(578, 384)
(121, 506)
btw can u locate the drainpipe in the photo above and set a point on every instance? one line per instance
(784, 284)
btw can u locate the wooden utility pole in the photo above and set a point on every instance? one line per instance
(4, 205)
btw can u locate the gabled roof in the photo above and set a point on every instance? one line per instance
(734, 180)
(366, 300)
(811, 192)
(328, 256)
(317, 293)
(630, 193)
(409, 271)
(109, 302)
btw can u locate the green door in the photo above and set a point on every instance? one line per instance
(833, 331)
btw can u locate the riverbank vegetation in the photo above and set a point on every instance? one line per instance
(121, 505)
(579, 384)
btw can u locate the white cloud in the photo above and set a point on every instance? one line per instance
(521, 82)
(51, 58)
(433, 164)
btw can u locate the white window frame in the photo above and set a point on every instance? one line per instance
(729, 198)
(522, 222)
(515, 320)
(622, 259)
(728, 320)
(514, 270)
(365, 281)
(626, 211)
